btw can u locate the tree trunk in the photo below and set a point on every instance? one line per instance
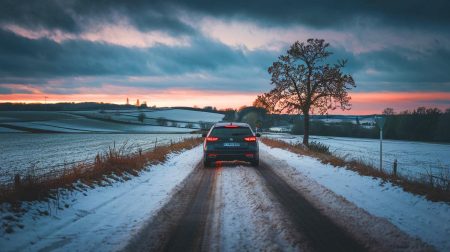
(306, 129)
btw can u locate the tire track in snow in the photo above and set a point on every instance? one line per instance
(377, 234)
(182, 223)
(320, 231)
(250, 219)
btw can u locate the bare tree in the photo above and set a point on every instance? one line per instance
(388, 111)
(305, 83)
(141, 117)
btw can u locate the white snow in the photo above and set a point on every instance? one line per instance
(415, 159)
(280, 129)
(94, 126)
(103, 218)
(47, 127)
(120, 121)
(415, 215)
(7, 130)
(182, 115)
(249, 219)
(186, 115)
(19, 152)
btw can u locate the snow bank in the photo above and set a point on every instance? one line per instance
(103, 218)
(415, 215)
(414, 158)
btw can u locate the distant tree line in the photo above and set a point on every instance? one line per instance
(67, 106)
(422, 124)
(340, 129)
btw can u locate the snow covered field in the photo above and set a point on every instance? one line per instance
(18, 152)
(185, 115)
(414, 159)
(415, 215)
(103, 218)
(100, 121)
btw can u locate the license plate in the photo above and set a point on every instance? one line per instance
(231, 144)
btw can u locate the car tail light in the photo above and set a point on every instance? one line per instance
(249, 155)
(231, 126)
(250, 139)
(211, 139)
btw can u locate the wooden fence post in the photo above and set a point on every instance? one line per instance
(17, 181)
(395, 167)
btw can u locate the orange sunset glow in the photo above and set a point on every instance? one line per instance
(363, 103)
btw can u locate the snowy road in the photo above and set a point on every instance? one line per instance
(238, 207)
(289, 203)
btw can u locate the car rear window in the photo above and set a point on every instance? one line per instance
(229, 132)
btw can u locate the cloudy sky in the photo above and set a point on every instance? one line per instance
(172, 53)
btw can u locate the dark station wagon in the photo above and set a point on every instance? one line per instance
(231, 142)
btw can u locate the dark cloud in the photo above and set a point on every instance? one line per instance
(75, 15)
(44, 59)
(401, 69)
(5, 90)
(24, 57)
(38, 61)
(52, 14)
(78, 15)
(12, 90)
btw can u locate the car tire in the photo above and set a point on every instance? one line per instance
(206, 163)
(255, 162)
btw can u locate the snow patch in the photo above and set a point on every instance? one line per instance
(415, 215)
(102, 218)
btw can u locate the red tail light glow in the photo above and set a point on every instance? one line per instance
(250, 139)
(211, 139)
(231, 126)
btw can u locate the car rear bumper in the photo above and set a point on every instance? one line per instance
(227, 156)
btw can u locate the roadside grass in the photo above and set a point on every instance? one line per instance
(427, 186)
(114, 164)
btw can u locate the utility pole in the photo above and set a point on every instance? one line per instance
(380, 120)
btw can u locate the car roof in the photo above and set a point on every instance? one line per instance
(223, 124)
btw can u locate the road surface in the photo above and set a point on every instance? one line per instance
(234, 206)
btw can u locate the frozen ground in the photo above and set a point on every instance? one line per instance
(414, 158)
(19, 152)
(415, 215)
(99, 219)
(96, 121)
(177, 115)
(185, 115)
(249, 219)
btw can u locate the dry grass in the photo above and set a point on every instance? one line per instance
(425, 188)
(115, 163)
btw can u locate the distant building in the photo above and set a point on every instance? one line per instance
(137, 103)
(128, 101)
